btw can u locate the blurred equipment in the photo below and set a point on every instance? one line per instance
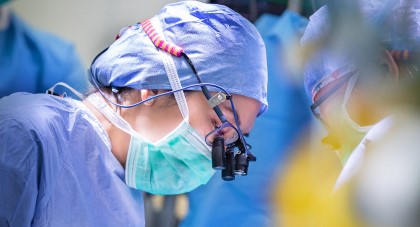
(33, 60)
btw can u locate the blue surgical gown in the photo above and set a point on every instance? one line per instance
(32, 60)
(246, 200)
(57, 169)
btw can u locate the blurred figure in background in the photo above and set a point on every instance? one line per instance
(348, 88)
(387, 187)
(245, 201)
(32, 60)
(361, 61)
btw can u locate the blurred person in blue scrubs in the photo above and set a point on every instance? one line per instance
(350, 89)
(33, 60)
(247, 201)
(65, 162)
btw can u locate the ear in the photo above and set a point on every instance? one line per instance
(391, 65)
(146, 94)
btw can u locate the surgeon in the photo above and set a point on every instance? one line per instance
(166, 89)
(33, 60)
(348, 88)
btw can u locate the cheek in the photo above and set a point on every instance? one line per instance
(247, 123)
(331, 113)
(202, 126)
(200, 120)
(247, 110)
(229, 116)
(247, 120)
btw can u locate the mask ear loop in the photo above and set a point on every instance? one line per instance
(153, 26)
(350, 86)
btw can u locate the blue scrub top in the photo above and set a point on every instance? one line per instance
(57, 169)
(246, 201)
(33, 61)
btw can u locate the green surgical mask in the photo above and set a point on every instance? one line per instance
(178, 163)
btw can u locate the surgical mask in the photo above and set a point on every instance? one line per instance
(355, 133)
(177, 163)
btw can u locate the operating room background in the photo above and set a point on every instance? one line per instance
(90, 25)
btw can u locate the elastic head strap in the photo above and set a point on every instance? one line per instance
(154, 31)
(157, 37)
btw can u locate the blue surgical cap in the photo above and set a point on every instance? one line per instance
(226, 50)
(397, 20)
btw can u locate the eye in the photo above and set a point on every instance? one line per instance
(246, 135)
(215, 123)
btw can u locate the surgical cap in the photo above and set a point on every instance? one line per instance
(224, 47)
(398, 23)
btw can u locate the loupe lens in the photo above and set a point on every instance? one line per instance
(218, 153)
(228, 174)
(226, 130)
(241, 164)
